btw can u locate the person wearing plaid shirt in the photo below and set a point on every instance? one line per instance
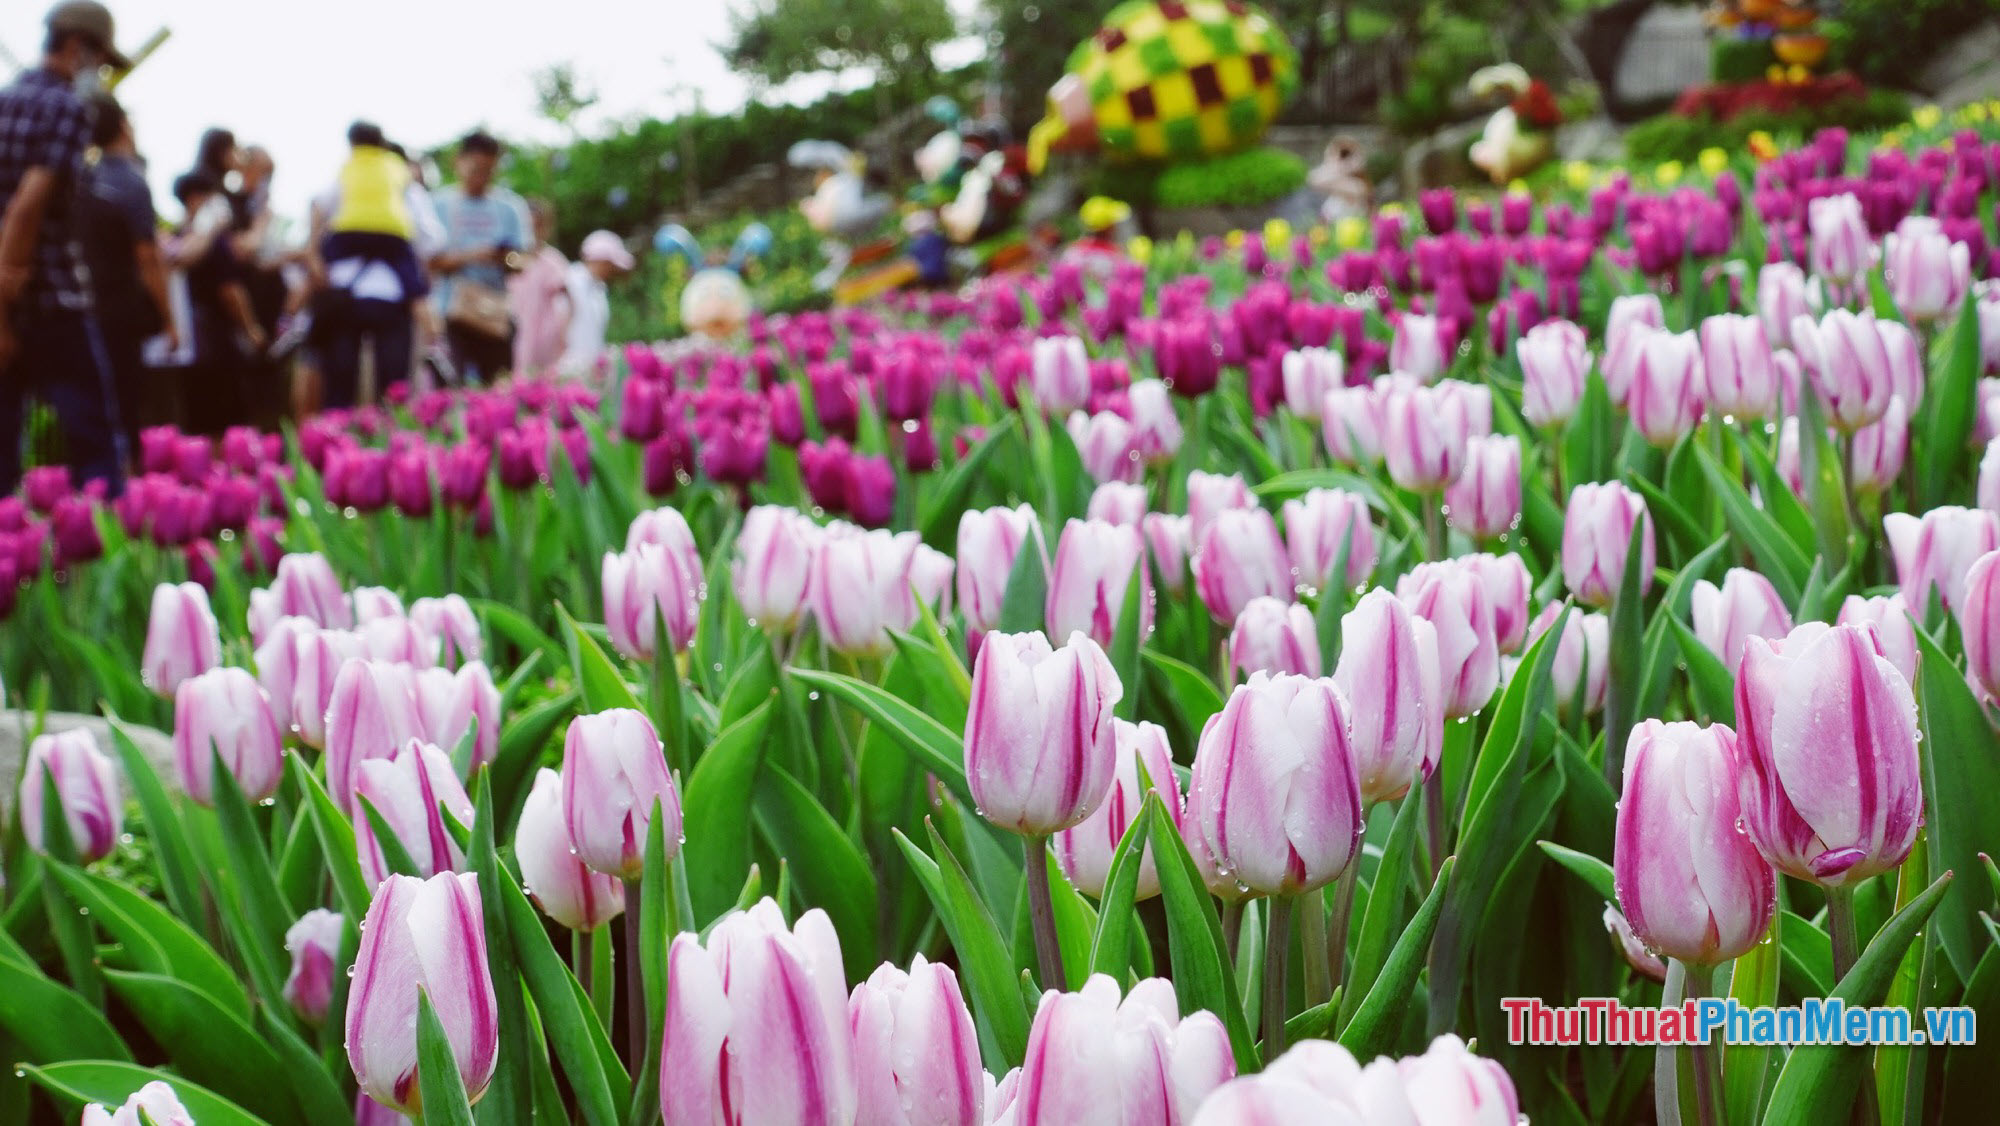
(49, 342)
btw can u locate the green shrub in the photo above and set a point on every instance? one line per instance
(1674, 137)
(1241, 179)
(1733, 60)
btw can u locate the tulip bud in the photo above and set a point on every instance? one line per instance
(1453, 599)
(1642, 960)
(1486, 498)
(306, 586)
(1085, 850)
(398, 641)
(1937, 549)
(1583, 657)
(1039, 748)
(1421, 348)
(772, 565)
(1989, 475)
(412, 791)
(1279, 758)
(1309, 374)
(1105, 443)
(1094, 1058)
(277, 660)
(1095, 563)
(155, 1104)
(1742, 381)
(649, 589)
(1831, 790)
(1555, 365)
(1388, 674)
(182, 638)
(374, 603)
(1634, 317)
(1116, 502)
(224, 712)
(1170, 540)
(1928, 273)
(1597, 535)
(314, 943)
(1448, 1084)
(1351, 420)
(1979, 622)
(1847, 360)
(1781, 299)
(1842, 248)
(1691, 885)
(1424, 438)
(1315, 1081)
(1879, 449)
(86, 783)
(567, 890)
(1906, 362)
(450, 703)
(1888, 617)
(1507, 585)
(1209, 495)
(989, 544)
(319, 655)
(450, 620)
(1668, 387)
(1317, 524)
(766, 1041)
(916, 1052)
(1060, 377)
(421, 937)
(1273, 636)
(1746, 605)
(1156, 427)
(859, 588)
(371, 712)
(614, 773)
(1241, 558)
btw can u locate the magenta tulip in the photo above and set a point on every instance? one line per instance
(1934, 551)
(1388, 673)
(1039, 747)
(224, 712)
(1095, 564)
(565, 888)
(314, 943)
(86, 785)
(1085, 849)
(614, 776)
(916, 1051)
(1597, 536)
(182, 638)
(989, 544)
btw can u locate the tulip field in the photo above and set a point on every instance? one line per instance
(1226, 682)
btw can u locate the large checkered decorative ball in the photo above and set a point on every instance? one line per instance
(1171, 79)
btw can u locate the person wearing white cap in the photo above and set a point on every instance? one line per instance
(602, 257)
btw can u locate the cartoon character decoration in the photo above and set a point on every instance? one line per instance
(715, 304)
(840, 206)
(993, 184)
(1520, 136)
(1798, 47)
(1169, 80)
(1342, 177)
(1106, 224)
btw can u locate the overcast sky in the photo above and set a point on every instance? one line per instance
(291, 75)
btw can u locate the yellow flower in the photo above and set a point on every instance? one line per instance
(1713, 160)
(1578, 175)
(1775, 72)
(1972, 112)
(1318, 235)
(1277, 234)
(1518, 186)
(1761, 145)
(1798, 75)
(1139, 249)
(1926, 117)
(1349, 230)
(1668, 173)
(1393, 207)
(1234, 239)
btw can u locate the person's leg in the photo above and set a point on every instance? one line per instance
(13, 412)
(340, 362)
(75, 378)
(391, 338)
(465, 354)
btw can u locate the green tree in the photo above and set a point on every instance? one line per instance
(774, 41)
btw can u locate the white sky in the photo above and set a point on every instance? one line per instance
(292, 75)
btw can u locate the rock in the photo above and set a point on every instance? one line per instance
(1595, 139)
(1964, 71)
(1667, 52)
(156, 745)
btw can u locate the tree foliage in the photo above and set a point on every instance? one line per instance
(778, 40)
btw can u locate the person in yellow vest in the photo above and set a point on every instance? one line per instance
(371, 275)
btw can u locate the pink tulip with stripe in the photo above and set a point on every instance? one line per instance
(1736, 359)
(860, 587)
(277, 661)
(1888, 617)
(1555, 367)
(1928, 273)
(1156, 427)
(1421, 347)
(663, 527)
(1597, 537)
(1979, 622)
(372, 713)
(1388, 674)
(1454, 600)
(1107, 445)
(1746, 605)
(313, 943)
(155, 1104)
(614, 775)
(1272, 635)
(1241, 558)
(374, 603)
(1691, 885)
(1096, 1058)
(1315, 1083)
(1450, 1085)
(1351, 421)
(451, 703)
(1308, 374)
(1842, 249)
(1209, 495)
(1878, 451)
(1781, 299)
(412, 791)
(1317, 524)
(1118, 502)
(1424, 435)
(1485, 501)
(773, 565)
(398, 640)
(1095, 564)
(989, 544)
(1669, 388)
(1633, 318)
(1275, 791)
(1583, 657)
(182, 638)
(421, 937)
(652, 594)
(305, 586)
(1039, 745)
(320, 655)
(1831, 790)
(916, 1051)
(86, 784)
(1989, 476)
(1846, 358)
(451, 621)
(1085, 849)
(224, 712)
(757, 1025)
(563, 886)
(1507, 585)
(1169, 539)
(1935, 551)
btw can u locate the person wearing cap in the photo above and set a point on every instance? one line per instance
(602, 257)
(538, 297)
(49, 341)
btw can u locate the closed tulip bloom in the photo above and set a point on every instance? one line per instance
(450, 703)
(372, 603)
(1095, 561)
(1691, 885)
(1877, 454)
(1453, 599)
(399, 641)
(1633, 317)
(86, 783)
(1507, 585)
(1039, 745)
(1085, 849)
(566, 889)
(989, 543)
(1315, 1083)
(649, 590)
(314, 944)
(412, 791)
(665, 527)
(772, 565)
(182, 638)
(916, 1051)
(1209, 495)
(1736, 360)
(1746, 605)
(1116, 502)
(614, 774)
(1888, 617)
(1106, 444)
(1906, 362)
(1449, 1086)
(1421, 348)
(277, 660)
(155, 1104)
(1388, 673)
(1597, 535)
(1351, 424)
(371, 712)
(321, 653)
(757, 1025)
(1060, 377)
(1241, 558)
(1170, 539)
(1555, 365)
(1156, 427)
(1486, 498)
(860, 587)
(1583, 657)
(1935, 550)
(1317, 524)
(1424, 436)
(1274, 636)
(1928, 273)
(1847, 361)
(1831, 790)
(421, 937)
(224, 712)
(1274, 790)
(1979, 622)
(305, 585)
(451, 621)
(1093, 1057)
(1309, 373)
(1668, 388)
(1643, 961)
(1781, 299)
(1842, 249)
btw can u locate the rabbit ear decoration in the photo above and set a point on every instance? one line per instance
(830, 155)
(754, 242)
(674, 239)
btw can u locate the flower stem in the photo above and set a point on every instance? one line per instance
(1840, 921)
(1314, 947)
(1434, 821)
(1433, 525)
(1277, 949)
(1343, 912)
(1232, 924)
(1707, 1061)
(1042, 912)
(635, 984)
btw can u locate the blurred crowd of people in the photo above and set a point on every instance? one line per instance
(116, 320)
